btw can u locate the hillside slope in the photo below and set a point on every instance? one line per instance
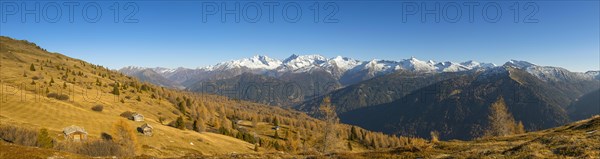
(575, 140)
(379, 90)
(585, 106)
(25, 102)
(43, 90)
(459, 107)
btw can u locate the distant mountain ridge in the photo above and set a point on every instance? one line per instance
(458, 105)
(312, 72)
(346, 70)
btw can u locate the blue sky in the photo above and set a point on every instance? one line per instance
(173, 33)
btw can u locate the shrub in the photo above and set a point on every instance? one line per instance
(58, 96)
(18, 135)
(98, 148)
(127, 114)
(52, 95)
(63, 97)
(101, 148)
(98, 108)
(106, 136)
(570, 150)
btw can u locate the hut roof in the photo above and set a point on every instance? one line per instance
(72, 129)
(146, 125)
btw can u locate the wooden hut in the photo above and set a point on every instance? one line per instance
(137, 117)
(75, 133)
(146, 129)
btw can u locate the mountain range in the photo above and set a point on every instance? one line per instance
(312, 76)
(345, 70)
(409, 97)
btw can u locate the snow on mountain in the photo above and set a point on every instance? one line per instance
(131, 69)
(347, 69)
(134, 69)
(519, 64)
(163, 70)
(549, 73)
(302, 63)
(256, 62)
(343, 63)
(595, 74)
(451, 67)
(414, 64)
(476, 65)
(338, 67)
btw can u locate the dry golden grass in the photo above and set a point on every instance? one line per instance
(576, 140)
(166, 142)
(26, 105)
(11, 151)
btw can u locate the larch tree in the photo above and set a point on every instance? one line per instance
(327, 111)
(292, 142)
(199, 125)
(125, 136)
(501, 121)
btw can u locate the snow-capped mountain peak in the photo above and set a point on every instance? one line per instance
(347, 69)
(431, 62)
(165, 70)
(303, 62)
(292, 57)
(519, 64)
(595, 74)
(342, 63)
(450, 67)
(134, 68)
(255, 62)
(549, 73)
(417, 65)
